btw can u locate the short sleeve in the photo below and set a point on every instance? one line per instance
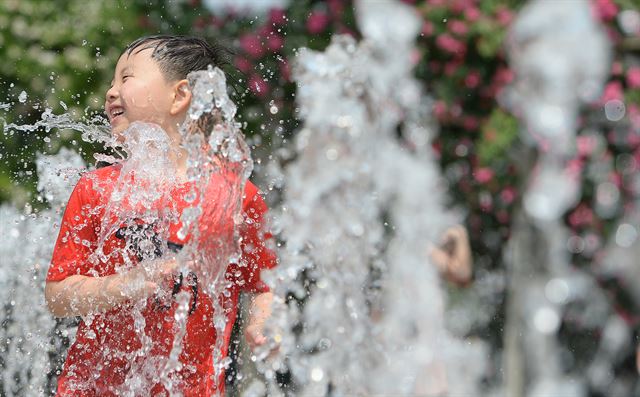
(256, 254)
(77, 237)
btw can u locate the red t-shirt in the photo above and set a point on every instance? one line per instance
(104, 352)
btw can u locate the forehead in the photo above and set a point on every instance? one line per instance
(136, 59)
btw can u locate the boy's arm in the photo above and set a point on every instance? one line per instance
(79, 295)
(258, 256)
(259, 312)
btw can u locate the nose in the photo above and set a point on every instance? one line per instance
(111, 94)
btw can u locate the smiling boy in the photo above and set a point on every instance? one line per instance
(111, 352)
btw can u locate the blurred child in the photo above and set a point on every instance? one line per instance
(113, 344)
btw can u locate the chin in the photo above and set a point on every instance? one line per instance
(118, 134)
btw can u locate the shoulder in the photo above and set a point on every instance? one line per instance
(108, 174)
(94, 181)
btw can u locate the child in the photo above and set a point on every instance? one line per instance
(112, 343)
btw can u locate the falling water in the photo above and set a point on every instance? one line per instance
(561, 58)
(359, 307)
(29, 336)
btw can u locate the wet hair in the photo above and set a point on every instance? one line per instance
(177, 56)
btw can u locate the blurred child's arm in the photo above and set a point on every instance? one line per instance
(259, 312)
(79, 295)
(453, 256)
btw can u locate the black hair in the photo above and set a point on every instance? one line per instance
(177, 56)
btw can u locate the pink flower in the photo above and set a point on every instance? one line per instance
(451, 67)
(277, 16)
(504, 16)
(483, 174)
(508, 194)
(470, 123)
(458, 27)
(243, 64)
(427, 28)
(574, 167)
(605, 10)
(485, 201)
(317, 22)
(503, 217)
(285, 70)
(448, 43)
(616, 68)
(336, 7)
(439, 109)
(345, 30)
(251, 45)
(258, 86)
(615, 178)
(612, 91)
(581, 216)
(415, 56)
(503, 76)
(435, 67)
(633, 111)
(472, 80)
(585, 145)
(199, 23)
(275, 42)
(633, 77)
(472, 14)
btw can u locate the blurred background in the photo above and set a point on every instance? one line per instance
(60, 55)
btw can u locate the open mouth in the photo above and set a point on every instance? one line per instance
(115, 112)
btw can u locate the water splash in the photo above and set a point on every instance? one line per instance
(29, 336)
(561, 59)
(556, 73)
(359, 309)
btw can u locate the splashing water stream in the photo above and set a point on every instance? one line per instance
(359, 308)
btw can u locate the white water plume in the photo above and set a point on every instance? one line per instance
(359, 309)
(29, 336)
(561, 58)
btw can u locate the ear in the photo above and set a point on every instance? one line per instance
(181, 97)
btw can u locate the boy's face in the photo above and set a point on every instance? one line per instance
(139, 92)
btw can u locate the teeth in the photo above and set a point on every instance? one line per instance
(116, 112)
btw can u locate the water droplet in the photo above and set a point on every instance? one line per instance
(317, 374)
(546, 320)
(557, 291)
(614, 110)
(629, 21)
(575, 244)
(22, 98)
(626, 235)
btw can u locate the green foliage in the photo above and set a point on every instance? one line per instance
(56, 52)
(498, 135)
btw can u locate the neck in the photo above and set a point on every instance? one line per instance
(177, 154)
